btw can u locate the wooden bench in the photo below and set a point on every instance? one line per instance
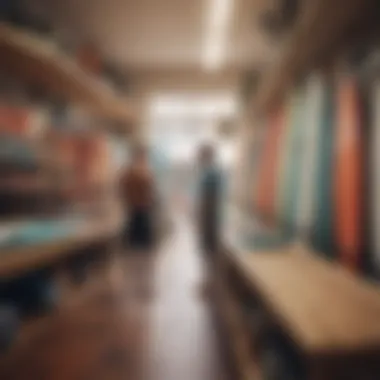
(330, 315)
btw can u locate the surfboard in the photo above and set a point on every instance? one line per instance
(322, 234)
(275, 234)
(292, 175)
(375, 177)
(283, 157)
(254, 167)
(288, 156)
(348, 176)
(269, 166)
(311, 140)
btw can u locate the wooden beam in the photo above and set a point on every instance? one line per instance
(321, 30)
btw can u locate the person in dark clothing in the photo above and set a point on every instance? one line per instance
(138, 193)
(210, 195)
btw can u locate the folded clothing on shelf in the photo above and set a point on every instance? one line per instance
(36, 232)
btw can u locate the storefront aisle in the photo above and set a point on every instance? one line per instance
(183, 338)
(115, 329)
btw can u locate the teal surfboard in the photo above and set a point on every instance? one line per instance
(322, 234)
(290, 159)
(313, 110)
(284, 158)
(292, 171)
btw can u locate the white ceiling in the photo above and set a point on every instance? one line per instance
(157, 34)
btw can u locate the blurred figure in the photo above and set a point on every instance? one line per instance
(210, 198)
(138, 191)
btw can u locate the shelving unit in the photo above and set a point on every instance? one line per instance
(39, 63)
(22, 258)
(28, 185)
(47, 185)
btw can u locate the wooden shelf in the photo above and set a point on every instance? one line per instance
(323, 307)
(15, 261)
(238, 335)
(322, 31)
(40, 63)
(27, 186)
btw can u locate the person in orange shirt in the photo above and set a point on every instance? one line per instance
(138, 192)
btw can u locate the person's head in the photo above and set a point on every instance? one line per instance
(206, 155)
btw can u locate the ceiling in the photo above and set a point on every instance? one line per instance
(159, 34)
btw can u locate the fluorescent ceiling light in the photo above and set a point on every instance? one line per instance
(217, 27)
(197, 106)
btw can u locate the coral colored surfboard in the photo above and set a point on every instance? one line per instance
(288, 173)
(269, 165)
(348, 178)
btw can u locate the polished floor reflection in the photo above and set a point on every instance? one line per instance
(141, 318)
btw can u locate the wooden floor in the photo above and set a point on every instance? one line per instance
(114, 329)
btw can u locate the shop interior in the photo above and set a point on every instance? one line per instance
(189, 190)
